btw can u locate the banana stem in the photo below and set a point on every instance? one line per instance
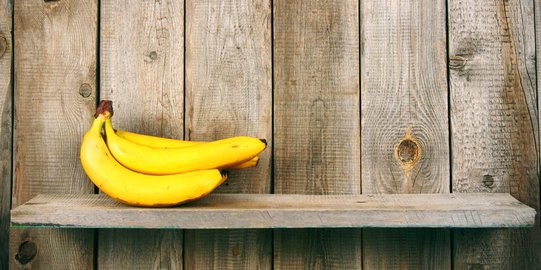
(105, 108)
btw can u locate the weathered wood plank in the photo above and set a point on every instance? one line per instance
(300, 242)
(316, 127)
(6, 94)
(495, 123)
(537, 19)
(229, 79)
(228, 249)
(141, 249)
(142, 71)
(229, 93)
(404, 144)
(55, 82)
(228, 211)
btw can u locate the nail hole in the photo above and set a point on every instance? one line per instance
(153, 55)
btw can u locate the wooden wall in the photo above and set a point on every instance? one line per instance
(369, 96)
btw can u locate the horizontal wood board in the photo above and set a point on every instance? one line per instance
(227, 211)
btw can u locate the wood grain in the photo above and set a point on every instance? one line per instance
(495, 123)
(229, 93)
(404, 123)
(151, 249)
(55, 52)
(6, 106)
(142, 71)
(229, 79)
(230, 211)
(229, 249)
(316, 122)
(537, 19)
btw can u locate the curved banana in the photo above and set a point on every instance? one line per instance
(160, 142)
(211, 155)
(154, 141)
(139, 189)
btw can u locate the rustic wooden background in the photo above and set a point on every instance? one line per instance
(364, 96)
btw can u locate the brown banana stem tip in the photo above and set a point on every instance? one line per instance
(263, 141)
(105, 106)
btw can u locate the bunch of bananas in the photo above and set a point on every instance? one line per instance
(151, 171)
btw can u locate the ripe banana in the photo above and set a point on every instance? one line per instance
(139, 189)
(159, 142)
(159, 161)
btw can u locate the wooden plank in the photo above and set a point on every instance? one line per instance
(537, 20)
(151, 249)
(6, 95)
(316, 122)
(495, 123)
(404, 143)
(142, 56)
(55, 86)
(229, 93)
(228, 249)
(229, 211)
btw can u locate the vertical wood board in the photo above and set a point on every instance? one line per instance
(316, 123)
(142, 72)
(229, 93)
(404, 128)
(6, 52)
(495, 123)
(228, 249)
(537, 19)
(316, 97)
(142, 65)
(55, 86)
(140, 249)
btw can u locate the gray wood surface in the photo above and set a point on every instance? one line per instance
(316, 122)
(404, 144)
(537, 8)
(229, 93)
(140, 249)
(6, 84)
(142, 71)
(281, 211)
(55, 56)
(495, 123)
(228, 249)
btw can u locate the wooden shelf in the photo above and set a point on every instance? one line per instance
(466, 210)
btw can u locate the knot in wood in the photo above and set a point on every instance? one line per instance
(26, 253)
(488, 180)
(407, 151)
(85, 90)
(476, 266)
(153, 55)
(457, 62)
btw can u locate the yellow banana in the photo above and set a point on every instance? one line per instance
(211, 155)
(139, 189)
(160, 142)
